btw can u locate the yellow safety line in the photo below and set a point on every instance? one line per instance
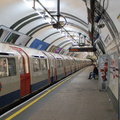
(48, 91)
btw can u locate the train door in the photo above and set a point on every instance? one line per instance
(24, 70)
(54, 67)
(52, 70)
(64, 64)
(51, 67)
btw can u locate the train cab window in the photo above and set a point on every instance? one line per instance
(36, 65)
(43, 63)
(7, 67)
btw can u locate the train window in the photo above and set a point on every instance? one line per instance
(58, 63)
(11, 66)
(72, 62)
(3, 67)
(7, 67)
(43, 64)
(61, 63)
(67, 62)
(36, 65)
(21, 68)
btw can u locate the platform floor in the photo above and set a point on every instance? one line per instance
(76, 99)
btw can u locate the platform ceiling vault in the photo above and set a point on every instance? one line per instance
(32, 21)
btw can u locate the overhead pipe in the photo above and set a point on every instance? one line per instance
(58, 10)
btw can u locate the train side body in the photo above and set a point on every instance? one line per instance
(24, 71)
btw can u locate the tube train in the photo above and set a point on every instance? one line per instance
(26, 70)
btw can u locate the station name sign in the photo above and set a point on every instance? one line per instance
(85, 49)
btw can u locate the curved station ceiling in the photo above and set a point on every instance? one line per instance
(57, 25)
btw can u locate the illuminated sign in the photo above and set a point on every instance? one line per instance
(85, 49)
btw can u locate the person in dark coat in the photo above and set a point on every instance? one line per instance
(94, 73)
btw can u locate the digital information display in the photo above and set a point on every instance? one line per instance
(86, 49)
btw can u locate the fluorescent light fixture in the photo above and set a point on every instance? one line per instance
(39, 13)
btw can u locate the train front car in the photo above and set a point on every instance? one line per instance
(9, 75)
(22, 71)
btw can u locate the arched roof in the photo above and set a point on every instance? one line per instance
(32, 21)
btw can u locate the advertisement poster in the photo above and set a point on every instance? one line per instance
(52, 48)
(103, 68)
(10, 36)
(113, 67)
(55, 49)
(58, 50)
(119, 88)
(103, 71)
(38, 44)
